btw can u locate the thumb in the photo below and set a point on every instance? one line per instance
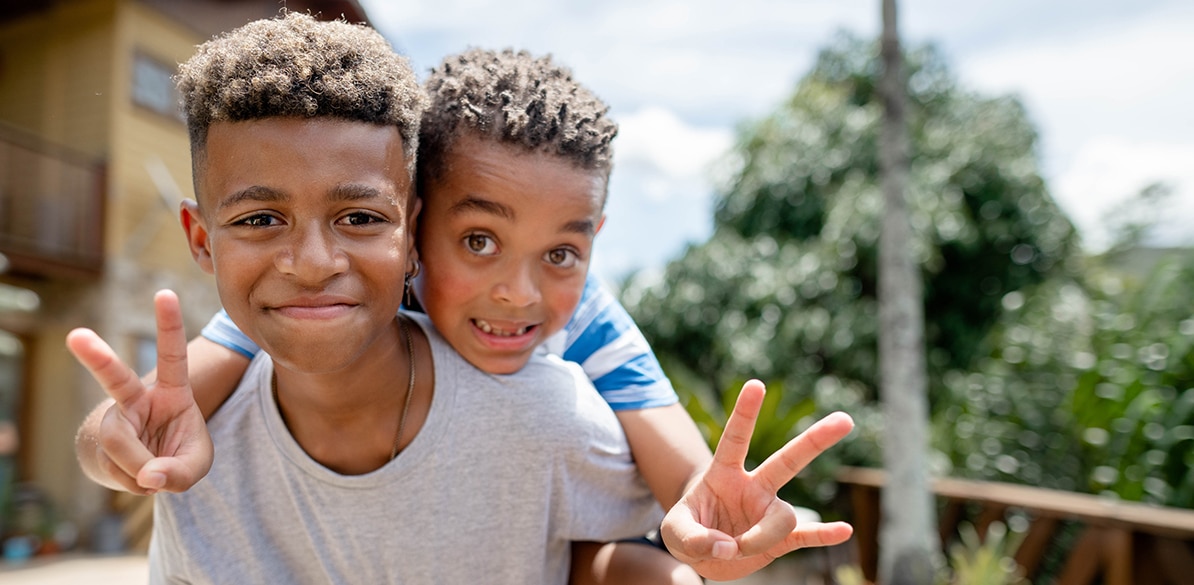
(690, 541)
(177, 473)
(168, 474)
(776, 524)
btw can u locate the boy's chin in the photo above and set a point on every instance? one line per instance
(313, 358)
(502, 366)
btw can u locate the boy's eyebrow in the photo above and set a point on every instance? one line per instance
(254, 193)
(471, 203)
(583, 227)
(356, 192)
(343, 192)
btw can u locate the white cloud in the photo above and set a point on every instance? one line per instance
(1119, 77)
(1109, 170)
(1108, 98)
(658, 138)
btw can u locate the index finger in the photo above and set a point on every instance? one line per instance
(172, 341)
(117, 379)
(735, 440)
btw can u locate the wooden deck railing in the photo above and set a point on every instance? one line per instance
(1117, 543)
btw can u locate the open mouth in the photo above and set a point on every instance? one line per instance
(491, 330)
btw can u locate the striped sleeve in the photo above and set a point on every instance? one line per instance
(223, 331)
(603, 339)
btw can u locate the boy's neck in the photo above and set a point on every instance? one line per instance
(348, 420)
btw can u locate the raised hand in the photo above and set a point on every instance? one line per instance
(146, 438)
(731, 522)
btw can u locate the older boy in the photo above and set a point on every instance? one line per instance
(359, 448)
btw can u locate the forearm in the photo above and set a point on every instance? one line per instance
(668, 449)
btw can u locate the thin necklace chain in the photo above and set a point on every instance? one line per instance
(410, 384)
(410, 387)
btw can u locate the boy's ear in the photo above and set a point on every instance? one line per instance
(415, 210)
(192, 224)
(412, 222)
(599, 225)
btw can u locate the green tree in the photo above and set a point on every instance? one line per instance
(1088, 384)
(784, 290)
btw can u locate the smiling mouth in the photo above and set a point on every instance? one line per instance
(314, 311)
(491, 330)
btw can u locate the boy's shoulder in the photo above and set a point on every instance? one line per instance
(552, 370)
(255, 378)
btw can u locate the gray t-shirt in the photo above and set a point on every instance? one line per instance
(505, 472)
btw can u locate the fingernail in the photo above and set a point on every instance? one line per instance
(154, 481)
(723, 551)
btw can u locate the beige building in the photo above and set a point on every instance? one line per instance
(93, 163)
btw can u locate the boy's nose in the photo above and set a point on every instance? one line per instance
(312, 255)
(519, 287)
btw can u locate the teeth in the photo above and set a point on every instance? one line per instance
(486, 327)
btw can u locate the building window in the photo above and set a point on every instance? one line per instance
(153, 87)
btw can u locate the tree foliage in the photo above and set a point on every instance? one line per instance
(1088, 385)
(784, 290)
(1045, 368)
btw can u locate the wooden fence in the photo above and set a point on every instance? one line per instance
(1106, 541)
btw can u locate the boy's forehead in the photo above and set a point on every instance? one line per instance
(470, 149)
(283, 149)
(491, 176)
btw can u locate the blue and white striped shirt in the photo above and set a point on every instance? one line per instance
(601, 337)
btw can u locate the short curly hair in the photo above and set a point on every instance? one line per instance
(514, 98)
(293, 65)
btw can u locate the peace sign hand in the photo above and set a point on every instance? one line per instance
(731, 523)
(150, 438)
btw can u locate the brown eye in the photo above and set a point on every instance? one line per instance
(562, 258)
(360, 218)
(480, 244)
(258, 220)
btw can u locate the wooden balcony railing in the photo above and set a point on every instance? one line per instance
(51, 209)
(1109, 542)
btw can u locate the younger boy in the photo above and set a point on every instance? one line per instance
(359, 447)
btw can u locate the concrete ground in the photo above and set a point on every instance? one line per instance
(75, 568)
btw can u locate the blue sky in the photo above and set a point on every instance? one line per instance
(1109, 84)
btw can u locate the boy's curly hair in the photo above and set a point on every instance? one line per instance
(296, 66)
(514, 98)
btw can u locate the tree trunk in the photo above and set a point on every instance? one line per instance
(907, 541)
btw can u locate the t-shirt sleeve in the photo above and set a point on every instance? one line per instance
(223, 331)
(604, 340)
(605, 496)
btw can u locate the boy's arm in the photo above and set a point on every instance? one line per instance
(668, 449)
(731, 522)
(214, 370)
(149, 435)
(218, 359)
